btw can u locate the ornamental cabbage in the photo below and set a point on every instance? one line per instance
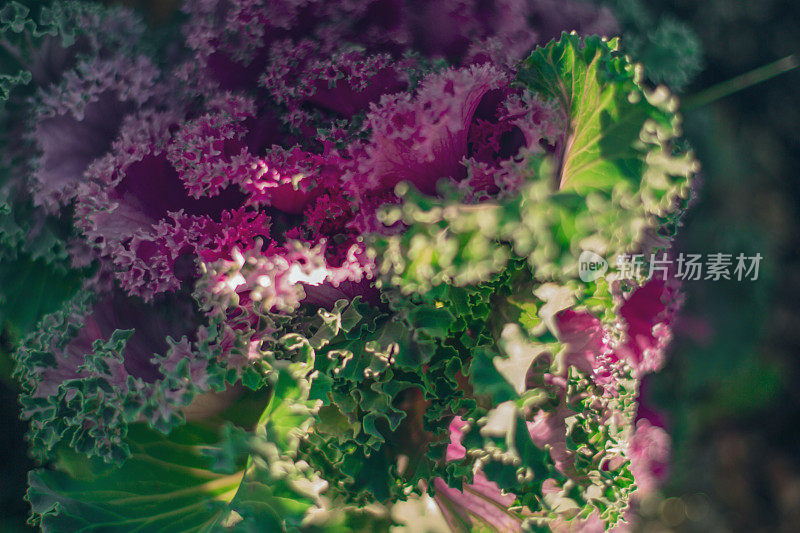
(327, 256)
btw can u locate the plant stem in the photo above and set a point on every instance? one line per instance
(739, 83)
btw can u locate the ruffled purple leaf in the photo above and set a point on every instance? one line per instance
(78, 119)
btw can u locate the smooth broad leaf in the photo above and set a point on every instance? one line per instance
(617, 131)
(277, 490)
(166, 485)
(597, 89)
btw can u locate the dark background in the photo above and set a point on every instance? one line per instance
(728, 392)
(729, 388)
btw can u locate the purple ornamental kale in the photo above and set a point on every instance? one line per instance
(231, 201)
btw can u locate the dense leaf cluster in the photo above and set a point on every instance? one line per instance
(319, 269)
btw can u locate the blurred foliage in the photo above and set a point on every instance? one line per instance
(668, 48)
(729, 388)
